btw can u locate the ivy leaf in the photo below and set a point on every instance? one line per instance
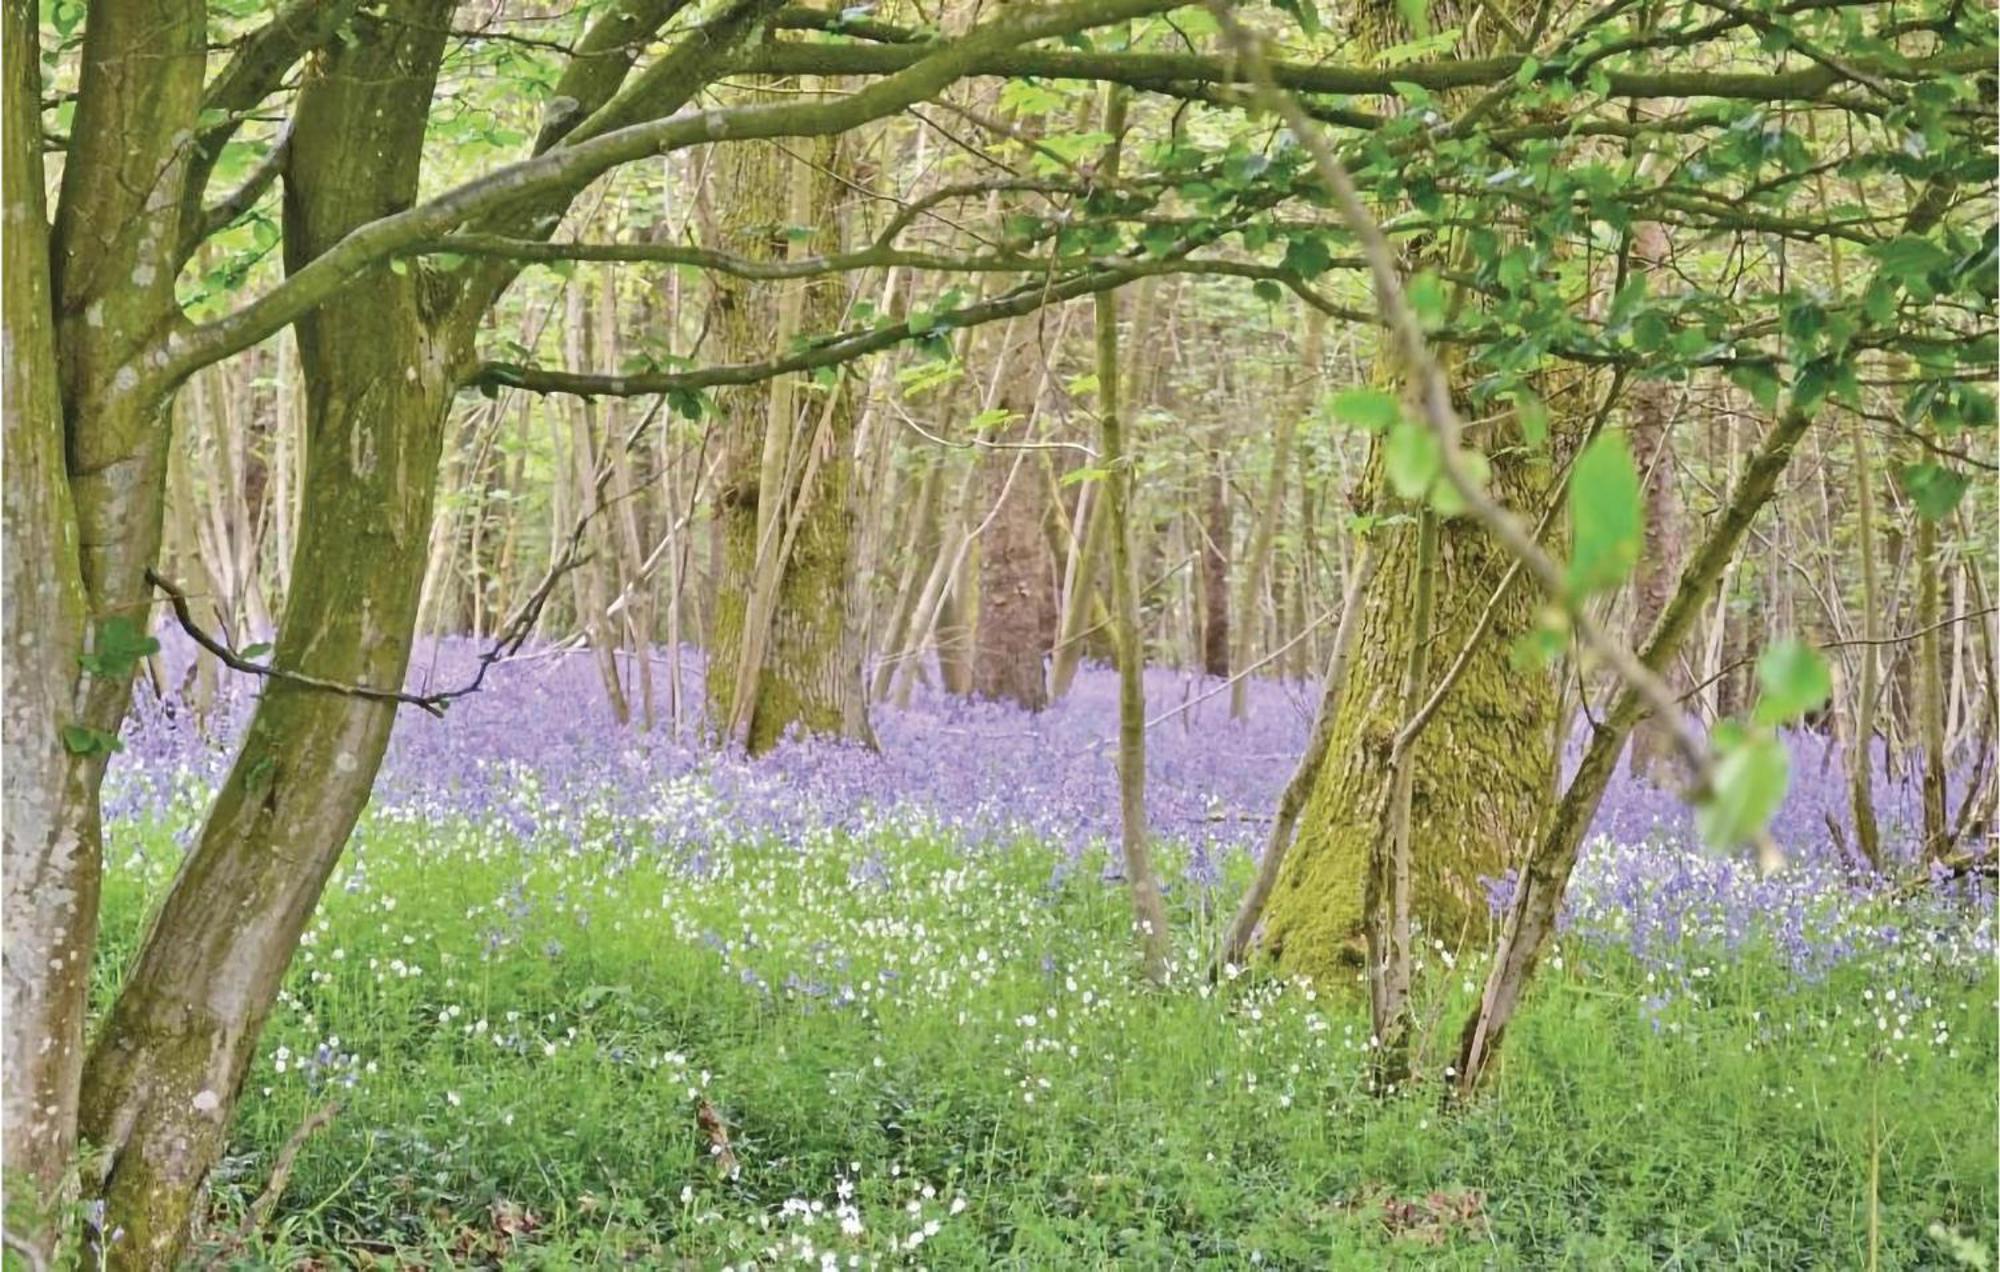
(257, 650)
(1267, 291)
(1934, 489)
(1793, 680)
(1370, 410)
(1607, 524)
(1749, 784)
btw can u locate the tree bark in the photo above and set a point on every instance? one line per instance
(1650, 429)
(1545, 873)
(783, 655)
(1149, 911)
(169, 1062)
(1016, 609)
(1257, 565)
(85, 454)
(52, 848)
(1479, 779)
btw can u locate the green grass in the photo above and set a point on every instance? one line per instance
(954, 1046)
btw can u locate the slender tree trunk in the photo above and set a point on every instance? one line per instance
(1861, 753)
(1215, 554)
(1650, 427)
(1080, 599)
(1149, 911)
(1256, 566)
(1930, 692)
(169, 1063)
(1544, 875)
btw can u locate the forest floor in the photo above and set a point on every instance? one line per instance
(563, 961)
(920, 1055)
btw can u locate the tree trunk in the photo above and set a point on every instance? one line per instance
(1257, 565)
(1215, 570)
(52, 847)
(1478, 778)
(1015, 604)
(1650, 417)
(85, 456)
(1930, 692)
(1861, 751)
(165, 1073)
(783, 654)
(1149, 911)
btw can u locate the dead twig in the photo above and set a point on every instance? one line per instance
(281, 1168)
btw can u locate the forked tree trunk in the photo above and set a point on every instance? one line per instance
(169, 1063)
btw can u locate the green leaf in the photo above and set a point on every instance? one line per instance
(257, 650)
(1410, 459)
(1446, 500)
(1370, 410)
(1075, 475)
(81, 739)
(1759, 380)
(1934, 489)
(1607, 523)
(1911, 256)
(1793, 680)
(1533, 414)
(1427, 299)
(116, 649)
(1751, 774)
(1307, 255)
(1267, 291)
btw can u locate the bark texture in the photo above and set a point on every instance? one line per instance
(1478, 776)
(85, 456)
(165, 1073)
(787, 650)
(51, 852)
(1016, 600)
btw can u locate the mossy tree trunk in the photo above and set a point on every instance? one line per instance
(165, 1073)
(1479, 775)
(85, 457)
(786, 653)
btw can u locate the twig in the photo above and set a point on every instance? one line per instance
(178, 599)
(716, 1132)
(281, 1168)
